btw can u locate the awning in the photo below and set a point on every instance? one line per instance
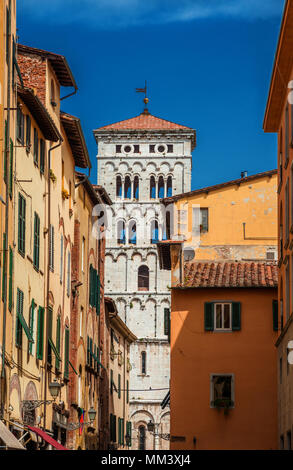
(47, 438)
(9, 439)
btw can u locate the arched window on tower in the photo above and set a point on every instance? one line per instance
(161, 187)
(143, 362)
(154, 231)
(141, 439)
(169, 186)
(143, 281)
(136, 188)
(132, 232)
(121, 232)
(127, 188)
(118, 186)
(152, 188)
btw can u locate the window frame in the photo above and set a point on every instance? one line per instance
(212, 396)
(222, 316)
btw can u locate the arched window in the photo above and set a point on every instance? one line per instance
(143, 362)
(121, 232)
(118, 186)
(127, 188)
(136, 188)
(152, 188)
(132, 232)
(141, 439)
(143, 280)
(161, 187)
(154, 231)
(169, 186)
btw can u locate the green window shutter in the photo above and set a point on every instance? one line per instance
(167, 322)
(111, 427)
(129, 432)
(111, 382)
(18, 326)
(275, 315)
(114, 429)
(36, 240)
(36, 146)
(28, 133)
(98, 294)
(51, 248)
(88, 351)
(236, 316)
(66, 353)
(122, 431)
(119, 386)
(119, 431)
(40, 333)
(3, 268)
(21, 223)
(10, 279)
(209, 316)
(50, 324)
(11, 168)
(98, 357)
(58, 337)
(5, 154)
(31, 324)
(127, 391)
(42, 156)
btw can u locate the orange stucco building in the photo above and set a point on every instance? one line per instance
(223, 389)
(279, 119)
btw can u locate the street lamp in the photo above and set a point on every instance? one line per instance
(30, 405)
(151, 428)
(91, 414)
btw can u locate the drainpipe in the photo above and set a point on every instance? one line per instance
(48, 273)
(70, 94)
(6, 213)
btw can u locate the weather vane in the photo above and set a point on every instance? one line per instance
(145, 100)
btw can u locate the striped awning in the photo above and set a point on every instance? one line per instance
(47, 438)
(9, 439)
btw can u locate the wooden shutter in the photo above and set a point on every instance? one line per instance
(10, 279)
(40, 333)
(275, 316)
(167, 322)
(129, 432)
(50, 324)
(209, 316)
(236, 316)
(122, 431)
(19, 310)
(3, 269)
(42, 156)
(119, 386)
(36, 240)
(28, 133)
(58, 337)
(21, 223)
(119, 431)
(66, 353)
(11, 168)
(31, 325)
(114, 429)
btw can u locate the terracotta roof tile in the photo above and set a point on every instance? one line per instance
(144, 121)
(230, 274)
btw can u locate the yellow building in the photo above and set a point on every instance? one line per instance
(121, 337)
(233, 220)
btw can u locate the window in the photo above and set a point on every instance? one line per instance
(161, 187)
(121, 237)
(19, 313)
(40, 332)
(21, 224)
(222, 391)
(204, 220)
(61, 258)
(154, 231)
(170, 148)
(118, 186)
(222, 316)
(132, 232)
(32, 326)
(58, 340)
(82, 254)
(42, 155)
(36, 241)
(141, 438)
(152, 188)
(167, 322)
(20, 126)
(119, 385)
(128, 433)
(36, 146)
(112, 428)
(66, 353)
(136, 188)
(152, 148)
(169, 186)
(143, 362)
(143, 278)
(51, 248)
(28, 133)
(127, 188)
(118, 148)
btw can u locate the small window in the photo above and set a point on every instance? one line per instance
(143, 278)
(20, 125)
(36, 146)
(152, 148)
(121, 236)
(28, 133)
(154, 231)
(161, 148)
(204, 220)
(152, 188)
(136, 149)
(136, 188)
(222, 391)
(127, 188)
(270, 255)
(118, 148)
(132, 232)
(127, 148)
(170, 148)
(141, 438)
(118, 186)
(143, 362)
(222, 316)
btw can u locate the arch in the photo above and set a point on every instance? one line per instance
(143, 278)
(161, 187)
(118, 186)
(136, 188)
(169, 186)
(121, 235)
(132, 232)
(154, 238)
(152, 187)
(127, 187)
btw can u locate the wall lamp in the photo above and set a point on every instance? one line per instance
(30, 405)
(91, 414)
(152, 428)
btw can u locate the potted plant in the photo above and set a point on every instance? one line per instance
(65, 194)
(52, 176)
(225, 403)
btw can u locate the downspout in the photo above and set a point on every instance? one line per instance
(6, 210)
(70, 94)
(48, 273)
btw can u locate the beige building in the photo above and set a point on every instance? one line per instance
(121, 433)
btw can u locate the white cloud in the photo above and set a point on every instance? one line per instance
(113, 14)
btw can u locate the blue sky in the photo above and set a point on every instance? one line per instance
(208, 64)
